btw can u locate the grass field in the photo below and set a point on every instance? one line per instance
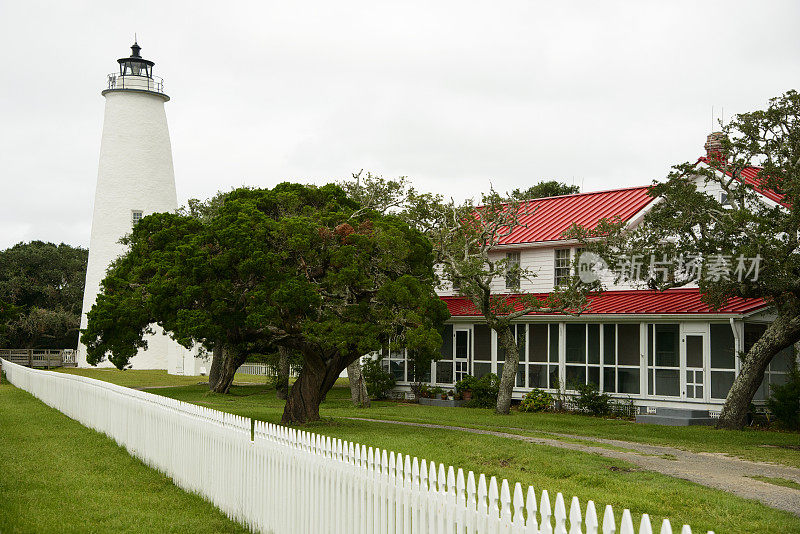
(589, 476)
(751, 444)
(58, 476)
(139, 379)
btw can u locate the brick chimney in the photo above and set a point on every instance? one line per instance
(713, 145)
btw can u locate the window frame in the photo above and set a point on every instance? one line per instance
(562, 272)
(134, 219)
(513, 258)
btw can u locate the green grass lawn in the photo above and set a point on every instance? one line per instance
(751, 444)
(589, 476)
(58, 476)
(140, 379)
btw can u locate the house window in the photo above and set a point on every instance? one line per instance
(562, 266)
(136, 216)
(512, 270)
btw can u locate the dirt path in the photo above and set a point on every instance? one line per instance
(715, 470)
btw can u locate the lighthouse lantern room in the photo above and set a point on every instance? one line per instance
(136, 73)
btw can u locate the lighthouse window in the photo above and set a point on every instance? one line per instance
(136, 216)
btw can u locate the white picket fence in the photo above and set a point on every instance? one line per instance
(285, 480)
(264, 369)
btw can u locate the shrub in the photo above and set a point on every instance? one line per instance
(592, 401)
(784, 403)
(379, 382)
(420, 390)
(484, 392)
(535, 401)
(466, 384)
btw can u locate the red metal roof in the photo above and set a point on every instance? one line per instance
(551, 216)
(636, 302)
(750, 175)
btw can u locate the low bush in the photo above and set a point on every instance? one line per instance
(484, 392)
(466, 384)
(784, 403)
(379, 382)
(420, 390)
(535, 401)
(591, 400)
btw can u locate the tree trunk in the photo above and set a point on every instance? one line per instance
(282, 379)
(509, 378)
(358, 389)
(784, 331)
(316, 378)
(230, 363)
(216, 366)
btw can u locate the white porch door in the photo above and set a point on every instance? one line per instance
(463, 353)
(694, 355)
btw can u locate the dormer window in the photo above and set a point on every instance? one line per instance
(136, 216)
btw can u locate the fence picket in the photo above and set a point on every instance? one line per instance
(272, 478)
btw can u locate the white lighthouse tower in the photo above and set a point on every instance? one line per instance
(135, 178)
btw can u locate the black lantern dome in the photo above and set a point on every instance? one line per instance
(135, 65)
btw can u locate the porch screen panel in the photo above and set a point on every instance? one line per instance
(522, 344)
(776, 372)
(628, 348)
(483, 350)
(582, 355)
(518, 331)
(543, 344)
(576, 355)
(537, 356)
(397, 364)
(444, 367)
(723, 360)
(610, 358)
(663, 377)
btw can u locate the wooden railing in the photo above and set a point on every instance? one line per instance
(44, 358)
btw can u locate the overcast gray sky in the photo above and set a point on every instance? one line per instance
(454, 95)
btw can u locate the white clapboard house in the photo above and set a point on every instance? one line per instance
(668, 353)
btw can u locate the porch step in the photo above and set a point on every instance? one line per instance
(675, 417)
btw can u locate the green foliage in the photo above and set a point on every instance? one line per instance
(484, 392)
(379, 382)
(466, 384)
(784, 402)
(536, 400)
(591, 400)
(300, 266)
(551, 188)
(41, 294)
(421, 390)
